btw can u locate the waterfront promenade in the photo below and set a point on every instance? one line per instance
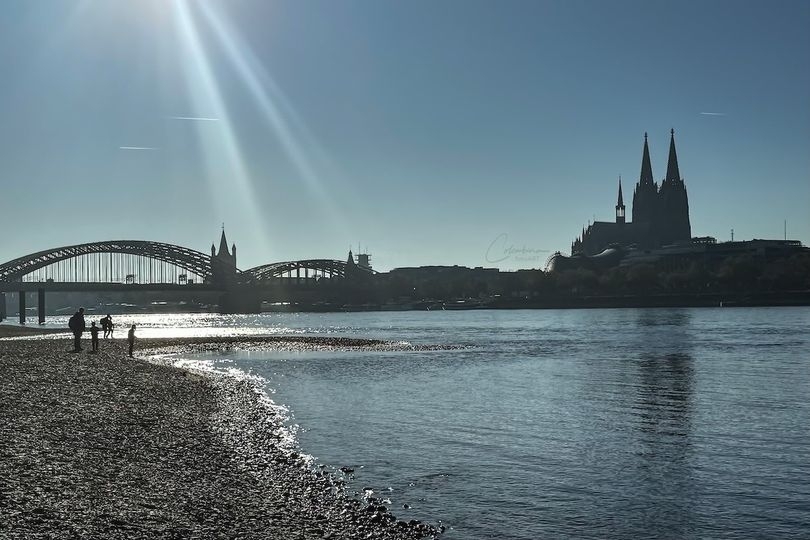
(101, 446)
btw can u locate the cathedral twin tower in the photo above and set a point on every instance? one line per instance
(660, 213)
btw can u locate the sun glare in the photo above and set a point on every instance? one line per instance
(276, 109)
(208, 102)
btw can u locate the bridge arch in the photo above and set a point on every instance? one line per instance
(193, 261)
(326, 267)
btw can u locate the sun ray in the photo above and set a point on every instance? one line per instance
(206, 96)
(276, 108)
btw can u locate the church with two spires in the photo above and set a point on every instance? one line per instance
(660, 213)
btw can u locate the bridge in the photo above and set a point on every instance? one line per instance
(138, 265)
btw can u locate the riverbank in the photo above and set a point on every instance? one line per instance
(103, 446)
(9, 331)
(568, 301)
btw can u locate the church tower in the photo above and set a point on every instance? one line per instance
(620, 205)
(223, 262)
(645, 196)
(673, 225)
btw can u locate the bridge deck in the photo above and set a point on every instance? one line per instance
(79, 286)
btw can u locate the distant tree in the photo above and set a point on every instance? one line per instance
(786, 274)
(689, 278)
(741, 272)
(578, 281)
(642, 278)
(613, 281)
(698, 278)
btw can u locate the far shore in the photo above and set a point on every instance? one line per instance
(99, 445)
(7, 330)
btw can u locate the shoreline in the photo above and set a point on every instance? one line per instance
(101, 445)
(14, 331)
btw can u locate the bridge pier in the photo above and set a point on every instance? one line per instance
(41, 305)
(2, 306)
(22, 307)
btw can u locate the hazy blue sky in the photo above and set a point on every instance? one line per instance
(425, 130)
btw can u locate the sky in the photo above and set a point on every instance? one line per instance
(424, 132)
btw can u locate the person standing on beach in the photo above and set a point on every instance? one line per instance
(131, 339)
(110, 326)
(77, 326)
(94, 336)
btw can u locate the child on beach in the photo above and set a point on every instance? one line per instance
(94, 336)
(131, 339)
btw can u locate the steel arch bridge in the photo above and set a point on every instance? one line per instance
(326, 267)
(193, 261)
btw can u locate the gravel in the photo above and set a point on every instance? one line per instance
(104, 446)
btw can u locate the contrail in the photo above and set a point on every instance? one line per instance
(194, 118)
(713, 113)
(137, 148)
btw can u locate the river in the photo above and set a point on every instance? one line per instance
(622, 423)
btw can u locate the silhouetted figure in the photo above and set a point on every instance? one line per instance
(94, 336)
(131, 339)
(77, 326)
(104, 327)
(110, 326)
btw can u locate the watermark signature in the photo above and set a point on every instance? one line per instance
(501, 249)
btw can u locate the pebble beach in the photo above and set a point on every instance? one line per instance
(99, 445)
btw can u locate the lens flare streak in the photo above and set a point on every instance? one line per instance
(207, 96)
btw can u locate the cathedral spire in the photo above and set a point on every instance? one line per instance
(673, 174)
(646, 167)
(620, 204)
(646, 192)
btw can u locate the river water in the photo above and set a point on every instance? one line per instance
(622, 423)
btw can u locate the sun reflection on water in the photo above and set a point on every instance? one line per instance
(181, 325)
